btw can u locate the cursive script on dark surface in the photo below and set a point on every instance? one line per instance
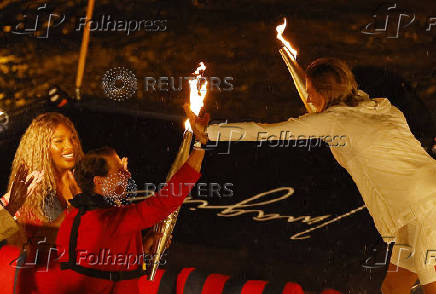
(255, 205)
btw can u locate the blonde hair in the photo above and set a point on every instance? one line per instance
(34, 153)
(334, 81)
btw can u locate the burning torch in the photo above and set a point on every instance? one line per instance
(198, 91)
(289, 56)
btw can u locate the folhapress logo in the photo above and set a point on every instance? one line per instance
(39, 24)
(389, 21)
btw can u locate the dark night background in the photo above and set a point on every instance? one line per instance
(234, 39)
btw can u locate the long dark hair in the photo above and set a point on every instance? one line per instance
(33, 152)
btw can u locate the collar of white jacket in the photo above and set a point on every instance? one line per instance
(366, 104)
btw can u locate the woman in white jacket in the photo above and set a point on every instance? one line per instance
(371, 139)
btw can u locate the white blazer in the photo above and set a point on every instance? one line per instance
(372, 141)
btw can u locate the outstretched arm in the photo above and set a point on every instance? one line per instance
(312, 125)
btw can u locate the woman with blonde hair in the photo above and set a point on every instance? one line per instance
(51, 146)
(49, 150)
(371, 139)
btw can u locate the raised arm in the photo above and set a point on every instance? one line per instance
(169, 198)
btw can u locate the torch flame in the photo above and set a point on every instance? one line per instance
(287, 46)
(197, 92)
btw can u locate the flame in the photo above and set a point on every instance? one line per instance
(287, 46)
(197, 92)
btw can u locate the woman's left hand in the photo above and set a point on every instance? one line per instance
(23, 186)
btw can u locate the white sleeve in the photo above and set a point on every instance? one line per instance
(311, 125)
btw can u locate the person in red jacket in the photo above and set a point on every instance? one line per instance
(99, 245)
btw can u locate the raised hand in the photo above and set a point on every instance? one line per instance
(198, 124)
(18, 192)
(24, 184)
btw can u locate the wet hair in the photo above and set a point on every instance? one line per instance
(33, 151)
(334, 81)
(93, 164)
